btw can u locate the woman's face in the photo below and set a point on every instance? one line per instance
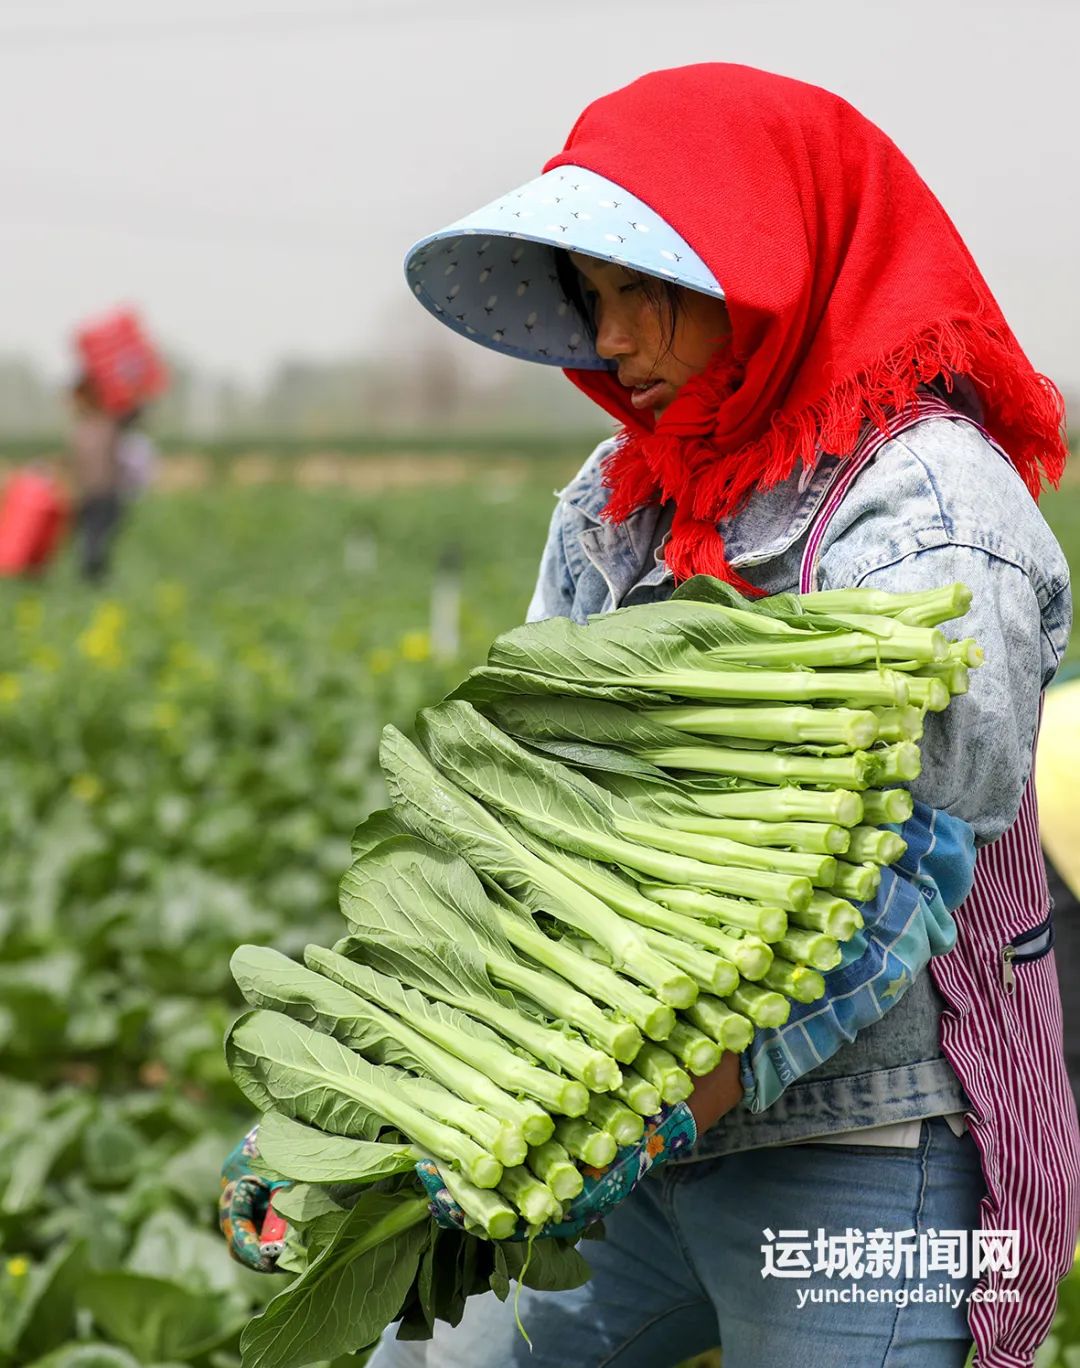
(634, 329)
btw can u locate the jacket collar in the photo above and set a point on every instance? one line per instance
(770, 523)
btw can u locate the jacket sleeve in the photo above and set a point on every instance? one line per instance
(908, 921)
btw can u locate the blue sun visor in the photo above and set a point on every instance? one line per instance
(491, 276)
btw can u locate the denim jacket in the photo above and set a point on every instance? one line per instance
(937, 504)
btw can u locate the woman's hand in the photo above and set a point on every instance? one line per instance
(716, 1093)
(254, 1231)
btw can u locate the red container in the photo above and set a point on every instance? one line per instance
(33, 515)
(120, 359)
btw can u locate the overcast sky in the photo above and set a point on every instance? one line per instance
(250, 172)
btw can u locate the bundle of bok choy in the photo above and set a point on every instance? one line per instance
(611, 855)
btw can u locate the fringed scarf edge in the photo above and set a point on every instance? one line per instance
(1023, 411)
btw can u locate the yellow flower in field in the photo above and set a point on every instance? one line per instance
(18, 1267)
(165, 716)
(416, 647)
(28, 615)
(100, 642)
(88, 788)
(47, 659)
(10, 688)
(380, 660)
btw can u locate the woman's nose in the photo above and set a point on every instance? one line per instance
(613, 339)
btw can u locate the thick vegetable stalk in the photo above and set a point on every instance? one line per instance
(638, 1093)
(763, 1006)
(898, 640)
(486, 1211)
(853, 771)
(815, 838)
(693, 1048)
(899, 724)
(620, 1039)
(438, 1101)
(621, 895)
(712, 973)
(841, 650)
(554, 1167)
(874, 846)
(659, 1067)
(809, 947)
(921, 608)
(819, 869)
(796, 981)
(624, 1125)
(927, 692)
(729, 1028)
(785, 804)
(887, 805)
(787, 890)
(585, 1142)
(855, 728)
(856, 881)
(830, 914)
(534, 1199)
(968, 651)
(442, 1025)
(409, 960)
(654, 1018)
(897, 763)
(769, 923)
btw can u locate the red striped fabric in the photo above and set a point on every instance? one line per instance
(1006, 1048)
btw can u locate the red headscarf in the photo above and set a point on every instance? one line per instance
(846, 282)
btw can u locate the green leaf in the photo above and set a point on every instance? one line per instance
(38, 1151)
(553, 1265)
(380, 826)
(581, 719)
(350, 1293)
(157, 1319)
(310, 1156)
(304, 1203)
(77, 1355)
(46, 1312)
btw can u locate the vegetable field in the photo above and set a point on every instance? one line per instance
(184, 758)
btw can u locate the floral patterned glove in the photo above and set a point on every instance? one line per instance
(254, 1231)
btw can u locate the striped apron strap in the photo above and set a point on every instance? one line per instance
(866, 449)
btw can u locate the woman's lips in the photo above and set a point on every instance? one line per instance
(648, 396)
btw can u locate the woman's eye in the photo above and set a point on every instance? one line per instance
(630, 287)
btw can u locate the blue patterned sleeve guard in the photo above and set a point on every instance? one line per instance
(909, 921)
(670, 1132)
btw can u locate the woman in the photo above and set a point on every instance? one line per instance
(821, 295)
(816, 389)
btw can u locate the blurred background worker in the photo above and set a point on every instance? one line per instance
(95, 478)
(1059, 821)
(111, 459)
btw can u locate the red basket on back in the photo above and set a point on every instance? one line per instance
(120, 359)
(33, 514)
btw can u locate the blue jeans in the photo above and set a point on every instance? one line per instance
(681, 1270)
